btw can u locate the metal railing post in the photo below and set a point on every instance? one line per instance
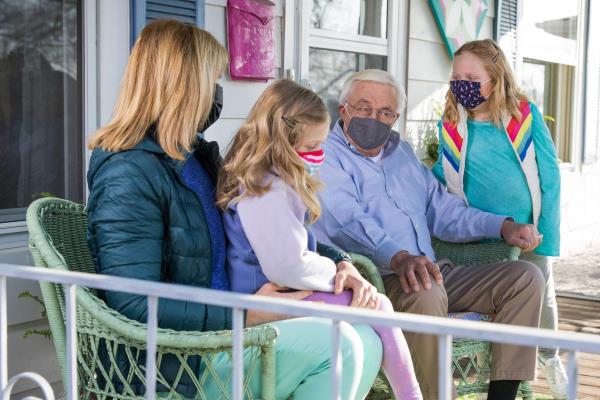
(238, 354)
(71, 332)
(445, 367)
(152, 326)
(572, 375)
(336, 360)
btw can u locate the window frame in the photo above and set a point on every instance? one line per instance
(579, 102)
(394, 47)
(12, 220)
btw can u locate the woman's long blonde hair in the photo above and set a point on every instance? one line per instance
(265, 143)
(169, 82)
(505, 96)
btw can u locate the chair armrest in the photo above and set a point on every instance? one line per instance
(368, 270)
(96, 318)
(475, 253)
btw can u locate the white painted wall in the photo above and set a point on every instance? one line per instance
(238, 96)
(112, 53)
(580, 213)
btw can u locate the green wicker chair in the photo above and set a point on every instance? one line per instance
(57, 231)
(470, 358)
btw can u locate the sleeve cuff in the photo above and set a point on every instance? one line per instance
(334, 254)
(343, 257)
(492, 226)
(384, 253)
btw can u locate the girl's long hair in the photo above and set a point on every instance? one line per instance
(169, 82)
(505, 97)
(265, 144)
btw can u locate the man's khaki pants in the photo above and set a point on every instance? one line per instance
(512, 290)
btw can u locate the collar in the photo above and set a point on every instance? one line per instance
(206, 150)
(148, 143)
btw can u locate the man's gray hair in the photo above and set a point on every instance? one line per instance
(375, 75)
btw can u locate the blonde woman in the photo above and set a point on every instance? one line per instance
(152, 216)
(496, 153)
(268, 191)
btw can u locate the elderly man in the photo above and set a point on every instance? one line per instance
(378, 200)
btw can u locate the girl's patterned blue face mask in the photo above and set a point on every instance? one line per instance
(467, 93)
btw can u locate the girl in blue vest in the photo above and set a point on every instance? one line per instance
(497, 154)
(267, 190)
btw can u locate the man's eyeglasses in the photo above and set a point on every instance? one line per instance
(385, 115)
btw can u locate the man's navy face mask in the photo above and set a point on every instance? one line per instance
(368, 133)
(467, 93)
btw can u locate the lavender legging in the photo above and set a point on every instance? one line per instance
(397, 363)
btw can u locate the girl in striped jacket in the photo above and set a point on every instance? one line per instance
(496, 152)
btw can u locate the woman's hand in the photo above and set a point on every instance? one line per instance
(364, 295)
(255, 317)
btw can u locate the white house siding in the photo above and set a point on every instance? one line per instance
(580, 210)
(238, 96)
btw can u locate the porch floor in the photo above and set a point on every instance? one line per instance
(578, 315)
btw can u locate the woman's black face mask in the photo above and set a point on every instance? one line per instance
(215, 110)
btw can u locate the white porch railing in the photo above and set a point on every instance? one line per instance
(444, 328)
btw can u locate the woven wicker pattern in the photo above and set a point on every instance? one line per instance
(475, 253)
(470, 358)
(58, 240)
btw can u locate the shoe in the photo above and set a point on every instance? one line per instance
(555, 376)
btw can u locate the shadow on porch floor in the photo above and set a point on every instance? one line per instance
(579, 314)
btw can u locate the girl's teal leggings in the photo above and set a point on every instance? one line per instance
(303, 356)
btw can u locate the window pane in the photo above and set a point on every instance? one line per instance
(328, 69)
(534, 82)
(551, 86)
(363, 17)
(549, 45)
(40, 129)
(549, 30)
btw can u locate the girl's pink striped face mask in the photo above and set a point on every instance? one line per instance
(312, 160)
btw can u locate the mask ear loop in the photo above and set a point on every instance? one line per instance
(483, 83)
(346, 108)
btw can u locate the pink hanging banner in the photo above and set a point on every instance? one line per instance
(251, 39)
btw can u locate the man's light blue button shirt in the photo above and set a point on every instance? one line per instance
(380, 208)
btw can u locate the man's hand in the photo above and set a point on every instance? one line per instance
(364, 294)
(254, 317)
(524, 236)
(408, 267)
